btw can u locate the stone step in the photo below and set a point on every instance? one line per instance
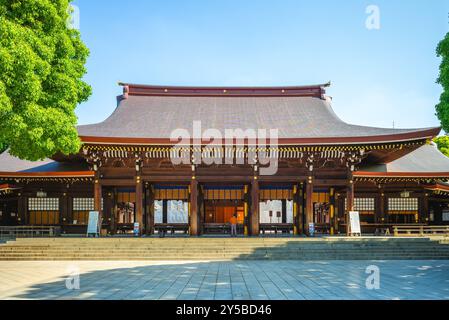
(223, 248)
(197, 249)
(207, 258)
(221, 240)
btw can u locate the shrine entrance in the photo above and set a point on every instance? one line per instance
(276, 209)
(219, 205)
(322, 211)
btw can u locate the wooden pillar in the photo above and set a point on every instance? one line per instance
(22, 209)
(139, 203)
(64, 207)
(69, 217)
(333, 218)
(425, 213)
(108, 210)
(194, 223)
(113, 199)
(349, 203)
(97, 199)
(380, 210)
(309, 207)
(297, 212)
(255, 220)
(201, 210)
(246, 208)
(165, 211)
(301, 209)
(150, 211)
(284, 211)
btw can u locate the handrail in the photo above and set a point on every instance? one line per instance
(421, 230)
(29, 232)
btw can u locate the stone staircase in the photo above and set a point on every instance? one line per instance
(63, 249)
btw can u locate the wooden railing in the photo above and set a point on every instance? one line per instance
(420, 230)
(220, 228)
(276, 228)
(29, 232)
(172, 228)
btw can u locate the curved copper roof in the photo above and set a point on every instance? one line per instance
(303, 115)
(426, 161)
(11, 166)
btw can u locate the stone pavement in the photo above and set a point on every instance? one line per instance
(273, 280)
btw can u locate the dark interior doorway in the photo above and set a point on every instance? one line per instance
(221, 211)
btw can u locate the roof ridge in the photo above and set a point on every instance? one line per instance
(317, 91)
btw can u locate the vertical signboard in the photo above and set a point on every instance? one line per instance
(93, 227)
(354, 218)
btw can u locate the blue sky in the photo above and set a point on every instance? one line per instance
(378, 76)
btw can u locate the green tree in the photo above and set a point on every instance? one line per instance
(2, 147)
(443, 107)
(443, 144)
(42, 63)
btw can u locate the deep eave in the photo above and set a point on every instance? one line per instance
(366, 174)
(68, 174)
(392, 138)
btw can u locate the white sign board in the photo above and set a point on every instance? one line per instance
(354, 218)
(445, 215)
(93, 226)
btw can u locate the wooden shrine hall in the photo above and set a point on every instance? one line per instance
(325, 168)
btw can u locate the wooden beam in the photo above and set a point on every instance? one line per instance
(349, 203)
(149, 211)
(380, 210)
(425, 213)
(22, 209)
(139, 203)
(333, 219)
(330, 182)
(97, 198)
(300, 209)
(118, 182)
(64, 207)
(194, 221)
(113, 199)
(255, 230)
(246, 208)
(309, 206)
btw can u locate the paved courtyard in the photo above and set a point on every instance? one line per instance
(275, 280)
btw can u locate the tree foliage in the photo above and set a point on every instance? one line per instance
(443, 107)
(2, 147)
(443, 144)
(42, 63)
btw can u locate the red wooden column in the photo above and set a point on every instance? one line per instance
(425, 213)
(65, 206)
(380, 210)
(139, 203)
(255, 220)
(194, 221)
(113, 199)
(22, 210)
(97, 198)
(150, 210)
(309, 206)
(350, 203)
(300, 209)
(333, 219)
